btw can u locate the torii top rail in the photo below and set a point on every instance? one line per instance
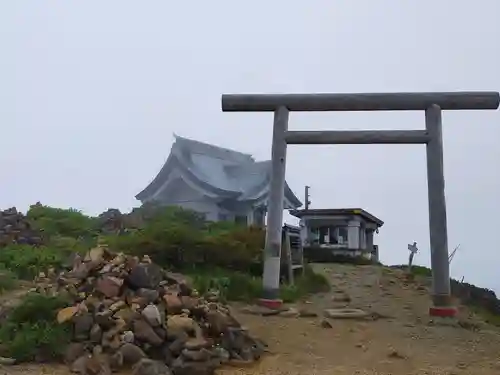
(404, 101)
(431, 103)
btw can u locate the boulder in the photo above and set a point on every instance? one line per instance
(15, 228)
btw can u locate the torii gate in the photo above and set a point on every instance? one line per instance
(431, 103)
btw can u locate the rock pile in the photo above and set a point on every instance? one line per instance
(15, 228)
(131, 312)
(111, 221)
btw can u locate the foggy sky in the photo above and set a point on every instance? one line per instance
(91, 93)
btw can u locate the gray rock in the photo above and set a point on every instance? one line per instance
(150, 295)
(16, 228)
(345, 314)
(151, 367)
(179, 280)
(128, 336)
(6, 361)
(82, 326)
(146, 276)
(79, 366)
(116, 361)
(105, 319)
(161, 332)
(292, 312)
(197, 355)
(131, 353)
(222, 354)
(326, 324)
(74, 351)
(144, 332)
(95, 334)
(178, 344)
(197, 344)
(182, 367)
(152, 315)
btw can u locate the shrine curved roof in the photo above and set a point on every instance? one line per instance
(228, 173)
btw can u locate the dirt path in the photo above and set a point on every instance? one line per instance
(404, 343)
(10, 298)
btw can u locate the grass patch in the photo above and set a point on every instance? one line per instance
(30, 332)
(478, 304)
(308, 283)
(61, 222)
(416, 270)
(178, 239)
(231, 285)
(239, 286)
(8, 280)
(69, 245)
(316, 254)
(421, 271)
(486, 315)
(26, 261)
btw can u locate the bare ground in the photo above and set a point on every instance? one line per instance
(402, 342)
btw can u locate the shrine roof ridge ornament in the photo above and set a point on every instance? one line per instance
(402, 101)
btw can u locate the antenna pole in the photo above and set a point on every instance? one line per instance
(306, 196)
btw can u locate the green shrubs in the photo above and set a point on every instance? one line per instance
(487, 316)
(416, 270)
(231, 285)
(421, 271)
(178, 240)
(69, 245)
(30, 333)
(173, 237)
(8, 280)
(66, 231)
(26, 261)
(239, 286)
(234, 247)
(308, 283)
(61, 222)
(316, 254)
(36, 307)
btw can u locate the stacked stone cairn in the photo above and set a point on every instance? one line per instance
(129, 312)
(115, 222)
(16, 229)
(111, 221)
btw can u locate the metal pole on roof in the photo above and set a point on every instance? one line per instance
(307, 202)
(272, 250)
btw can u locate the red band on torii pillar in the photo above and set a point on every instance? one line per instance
(443, 311)
(274, 304)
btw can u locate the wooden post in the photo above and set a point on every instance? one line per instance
(413, 250)
(289, 259)
(303, 269)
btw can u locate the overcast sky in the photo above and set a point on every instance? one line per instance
(91, 93)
